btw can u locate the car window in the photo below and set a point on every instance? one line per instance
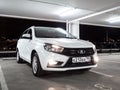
(25, 32)
(28, 31)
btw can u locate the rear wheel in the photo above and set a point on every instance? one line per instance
(19, 60)
(36, 66)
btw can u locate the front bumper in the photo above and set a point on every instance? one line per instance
(64, 63)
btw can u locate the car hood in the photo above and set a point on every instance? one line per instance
(64, 42)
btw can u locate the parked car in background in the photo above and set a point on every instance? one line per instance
(54, 49)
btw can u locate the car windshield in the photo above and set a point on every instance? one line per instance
(46, 32)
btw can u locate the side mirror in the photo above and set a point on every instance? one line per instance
(26, 36)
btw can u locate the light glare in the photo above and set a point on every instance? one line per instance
(52, 62)
(114, 19)
(67, 11)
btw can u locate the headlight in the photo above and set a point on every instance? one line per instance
(53, 48)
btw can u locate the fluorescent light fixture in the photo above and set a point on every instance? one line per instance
(114, 19)
(67, 11)
(95, 14)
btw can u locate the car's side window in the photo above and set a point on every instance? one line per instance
(29, 32)
(25, 32)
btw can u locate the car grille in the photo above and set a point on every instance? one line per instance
(78, 52)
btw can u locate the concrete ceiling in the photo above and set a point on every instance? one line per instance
(101, 19)
(48, 10)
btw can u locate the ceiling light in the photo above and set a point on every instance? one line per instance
(114, 19)
(67, 11)
(93, 14)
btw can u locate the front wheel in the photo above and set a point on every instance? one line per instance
(36, 67)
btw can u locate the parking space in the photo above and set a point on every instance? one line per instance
(104, 77)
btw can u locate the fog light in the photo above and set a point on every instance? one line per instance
(52, 62)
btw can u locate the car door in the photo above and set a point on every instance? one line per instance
(28, 46)
(25, 45)
(21, 44)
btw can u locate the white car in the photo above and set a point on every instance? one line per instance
(54, 49)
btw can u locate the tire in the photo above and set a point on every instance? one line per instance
(36, 66)
(19, 60)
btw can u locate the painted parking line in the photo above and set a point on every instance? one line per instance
(2, 80)
(100, 73)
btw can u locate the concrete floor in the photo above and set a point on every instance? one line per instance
(104, 77)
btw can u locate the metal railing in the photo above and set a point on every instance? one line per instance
(108, 47)
(7, 53)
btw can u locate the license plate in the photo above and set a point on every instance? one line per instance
(81, 59)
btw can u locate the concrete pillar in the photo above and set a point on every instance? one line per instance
(67, 26)
(74, 29)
